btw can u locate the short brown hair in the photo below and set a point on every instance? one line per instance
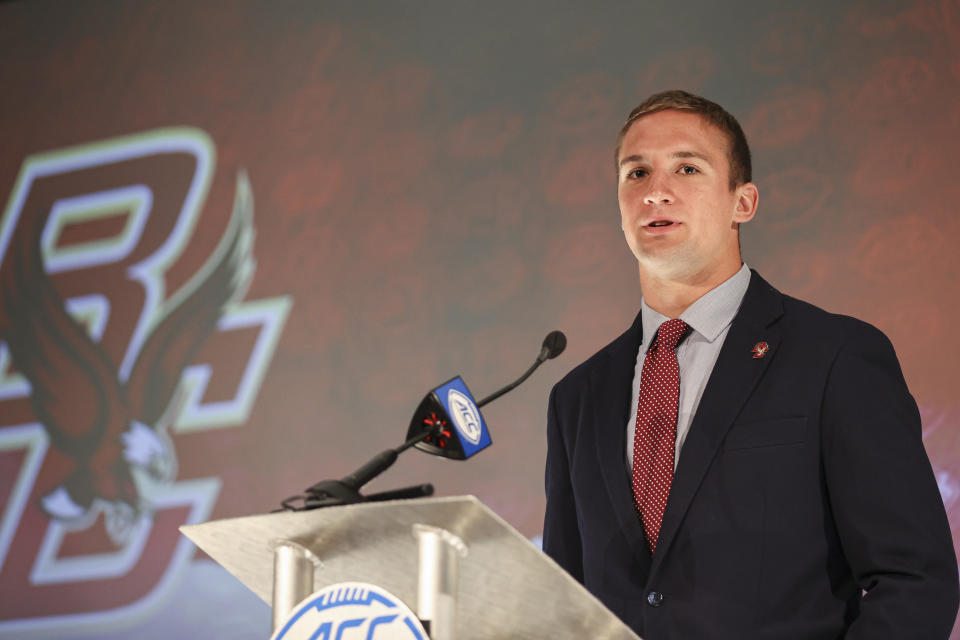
(676, 100)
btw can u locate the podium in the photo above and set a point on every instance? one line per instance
(462, 568)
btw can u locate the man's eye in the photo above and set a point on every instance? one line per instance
(637, 173)
(689, 170)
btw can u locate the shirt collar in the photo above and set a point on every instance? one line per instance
(709, 315)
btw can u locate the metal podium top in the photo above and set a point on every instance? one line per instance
(508, 588)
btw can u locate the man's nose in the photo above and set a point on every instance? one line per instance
(657, 194)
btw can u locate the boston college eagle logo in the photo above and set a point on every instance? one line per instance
(760, 349)
(102, 369)
(116, 425)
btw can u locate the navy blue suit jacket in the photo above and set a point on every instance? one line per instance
(802, 483)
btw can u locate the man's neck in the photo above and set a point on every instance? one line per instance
(671, 297)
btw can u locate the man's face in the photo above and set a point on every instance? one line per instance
(678, 213)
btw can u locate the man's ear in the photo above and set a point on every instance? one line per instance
(746, 205)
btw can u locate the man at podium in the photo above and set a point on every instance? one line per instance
(739, 463)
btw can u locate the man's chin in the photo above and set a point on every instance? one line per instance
(686, 269)
(668, 263)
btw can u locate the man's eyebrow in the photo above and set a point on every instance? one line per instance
(676, 154)
(691, 154)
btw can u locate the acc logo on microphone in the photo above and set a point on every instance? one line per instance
(352, 610)
(465, 416)
(457, 401)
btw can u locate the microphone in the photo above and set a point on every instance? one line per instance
(553, 345)
(447, 423)
(449, 411)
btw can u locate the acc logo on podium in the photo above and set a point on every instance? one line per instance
(352, 610)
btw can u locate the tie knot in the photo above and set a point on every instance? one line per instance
(670, 333)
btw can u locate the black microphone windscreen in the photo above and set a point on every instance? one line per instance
(554, 344)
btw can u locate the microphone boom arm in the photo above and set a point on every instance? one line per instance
(510, 387)
(553, 345)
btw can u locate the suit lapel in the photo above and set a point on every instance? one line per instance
(612, 387)
(733, 379)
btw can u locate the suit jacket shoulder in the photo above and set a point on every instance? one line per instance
(628, 341)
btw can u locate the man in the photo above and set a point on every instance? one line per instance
(766, 477)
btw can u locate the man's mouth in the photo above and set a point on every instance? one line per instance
(660, 223)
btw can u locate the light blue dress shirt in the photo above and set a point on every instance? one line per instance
(709, 318)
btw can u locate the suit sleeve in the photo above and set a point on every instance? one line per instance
(884, 497)
(561, 532)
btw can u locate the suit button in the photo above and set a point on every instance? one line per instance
(655, 598)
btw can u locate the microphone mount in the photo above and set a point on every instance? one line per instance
(328, 493)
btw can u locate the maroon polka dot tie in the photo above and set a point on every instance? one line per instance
(656, 432)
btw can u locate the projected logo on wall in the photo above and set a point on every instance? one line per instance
(103, 370)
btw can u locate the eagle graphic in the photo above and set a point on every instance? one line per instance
(102, 429)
